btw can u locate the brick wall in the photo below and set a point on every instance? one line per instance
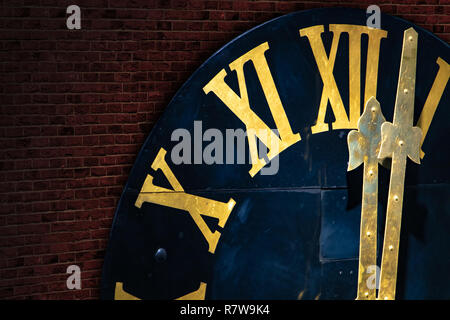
(76, 106)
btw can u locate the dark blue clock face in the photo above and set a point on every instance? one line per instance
(226, 230)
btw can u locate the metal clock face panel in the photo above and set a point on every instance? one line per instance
(226, 231)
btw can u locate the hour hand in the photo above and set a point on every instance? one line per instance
(363, 147)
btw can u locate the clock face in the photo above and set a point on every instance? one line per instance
(228, 224)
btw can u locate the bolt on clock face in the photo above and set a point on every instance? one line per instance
(241, 190)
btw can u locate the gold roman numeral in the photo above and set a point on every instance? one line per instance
(177, 198)
(199, 294)
(240, 106)
(432, 102)
(120, 294)
(326, 63)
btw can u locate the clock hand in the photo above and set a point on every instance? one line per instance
(399, 140)
(363, 147)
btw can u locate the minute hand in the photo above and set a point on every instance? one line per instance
(399, 140)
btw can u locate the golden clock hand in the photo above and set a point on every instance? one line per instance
(363, 147)
(399, 140)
